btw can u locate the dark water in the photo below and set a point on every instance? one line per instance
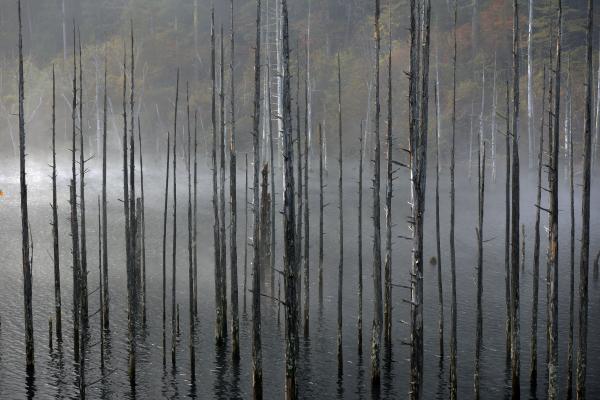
(55, 375)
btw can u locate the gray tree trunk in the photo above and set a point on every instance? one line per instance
(164, 255)
(359, 322)
(387, 310)
(56, 254)
(307, 130)
(83, 241)
(257, 375)
(190, 217)
(321, 206)
(105, 296)
(585, 210)
(174, 270)
(340, 356)
(222, 204)
(26, 261)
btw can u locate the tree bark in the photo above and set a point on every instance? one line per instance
(26, 261)
(585, 210)
(377, 304)
(174, 270)
(164, 255)
(321, 206)
(359, 322)
(536, 249)
(437, 214)
(507, 230)
(105, 296)
(453, 308)
(479, 231)
(143, 228)
(74, 219)
(257, 374)
(340, 356)
(222, 207)
(235, 323)
(190, 217)
(245, 232)
(57, 298)
(307, 128)
(387, 312)
(569, 139)
(553, 225)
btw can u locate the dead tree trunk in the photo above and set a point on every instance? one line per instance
(585, 210)
(246, 232)
(223, 226)
(515, 214)
(26, 261)
(273, 196)
(536, 248)
(57, 298)
(192, 347)
(553, 225)
(257, 390)
(101, 284)
(378, 309)
(164, 256)
(479, 231)
(570, 345)
(437, 216)
(306, 307)
(127, 211)
(83, 241)
(359, 323)
(299, 181)
(219, 334)
(143, 227)
(105, 296)
(174, 271)
(74, 219)
(453, 310)
(264, 239)
(289, 222)
(387, 312)
(235, 323)
(321, 206)
(340, 356)
(507, 227)
(419, 181)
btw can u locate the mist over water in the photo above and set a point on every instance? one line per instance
(216, 376)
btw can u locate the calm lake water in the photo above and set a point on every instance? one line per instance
(55, 374)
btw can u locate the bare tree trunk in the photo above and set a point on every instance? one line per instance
(307, 130)
(321, 206)
(235, 323)
(57, 298)
(143, 228)
(289, 223)
(553, 226)
(340, 356)
(83, 241)
(359, 323)
(437, 213)
(515, 214)
(190, 217)
(536, 249)
(530, 105)
(378, 309)
(26, 261)
(507, 227)
(105, 296)
(493, 123)
(471, 142)
(272, 165)
(257, 375)
(585, 210)
(174, 271)
(246, 233)
(101, 284)
(570, 345)
(74, 219)
(387, 312)
(453, 310)
(164, 255)
(219, 334)
(299, 181)
(419, 180)
(479, 231)
(195, 217)
(223, 226)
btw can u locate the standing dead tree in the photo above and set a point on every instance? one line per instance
(340, 356)
(377, 304)
(245, 231)
(585, 212)
(56, 254)
(74, 218)
(307, 128)
(174, 306)
(164, 256)
(479, 231)
(437, 213)
(300, 182)
(387, 310)
(26, 260)
(359, 322)
(235, 322)
(192, 347)
(142, 223)
(536, 248)
(569, 150)
(553, 223)
(419, 174)
(453, 309)
(257, 376)
(289, 221)
(105, 295)
(515, 215)
(222, 204)
(321, 206)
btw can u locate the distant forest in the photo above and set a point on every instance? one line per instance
(174, 34)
